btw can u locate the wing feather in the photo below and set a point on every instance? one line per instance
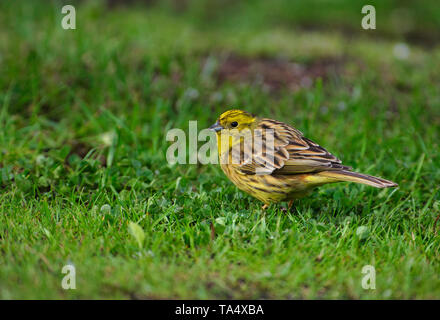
(293, 153)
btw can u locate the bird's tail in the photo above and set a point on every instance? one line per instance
(344, 175)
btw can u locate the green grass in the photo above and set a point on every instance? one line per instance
(83, 120)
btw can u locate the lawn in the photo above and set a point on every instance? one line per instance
(84, 178)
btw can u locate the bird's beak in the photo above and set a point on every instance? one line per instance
(216, 127)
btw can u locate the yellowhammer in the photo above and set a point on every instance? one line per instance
(274, 162)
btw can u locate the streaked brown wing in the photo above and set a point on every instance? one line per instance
(293, 153)
(312, 158)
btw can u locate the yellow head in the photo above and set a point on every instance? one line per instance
(234, 119)
(230, 127)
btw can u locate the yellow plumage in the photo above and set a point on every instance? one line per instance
(285, 166)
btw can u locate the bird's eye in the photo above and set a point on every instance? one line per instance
(234, 124)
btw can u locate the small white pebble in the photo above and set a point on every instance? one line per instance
(107, 138)
(401, 51)
(106, 209)
(342, 106)
(191, 93)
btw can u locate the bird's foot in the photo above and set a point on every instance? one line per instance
(289, 206)
(264, 207)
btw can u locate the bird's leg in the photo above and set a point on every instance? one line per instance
(288, 207)
(264, 207)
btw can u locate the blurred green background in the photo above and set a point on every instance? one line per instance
(84, 178)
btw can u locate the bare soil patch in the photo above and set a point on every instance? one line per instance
(275, 74)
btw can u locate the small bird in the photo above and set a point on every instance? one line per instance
(286, 166)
